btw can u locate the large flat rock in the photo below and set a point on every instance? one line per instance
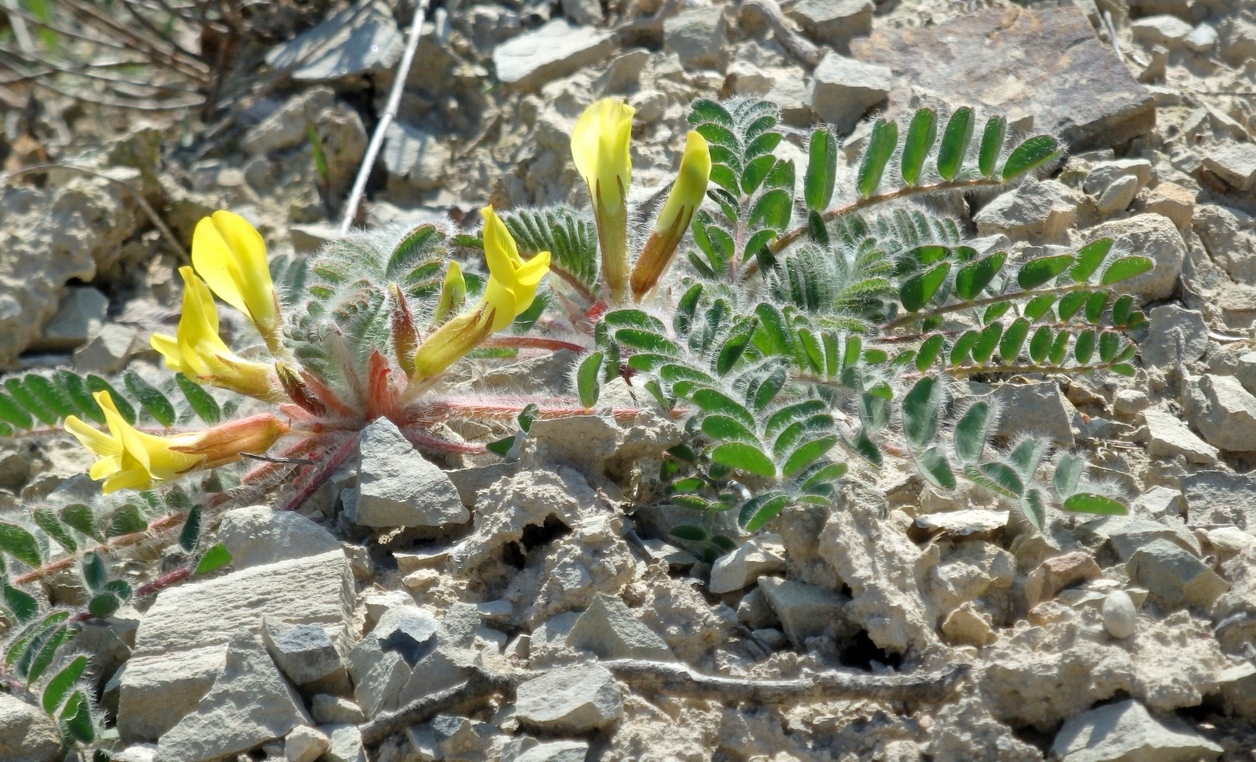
(1045, 63)
(181, 644)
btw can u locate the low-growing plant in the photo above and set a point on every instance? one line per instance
(812, 321)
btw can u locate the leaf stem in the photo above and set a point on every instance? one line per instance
(912, 317)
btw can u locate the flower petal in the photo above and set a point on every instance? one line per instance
(93, 439)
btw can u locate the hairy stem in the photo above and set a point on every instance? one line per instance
(106, 548)
(947, 309)
(531, 342)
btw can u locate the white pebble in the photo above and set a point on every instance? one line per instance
(1119, 614)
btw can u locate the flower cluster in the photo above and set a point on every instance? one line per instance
(229, 261)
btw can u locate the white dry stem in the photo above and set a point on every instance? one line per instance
(386, 118)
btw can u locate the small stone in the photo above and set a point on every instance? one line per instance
(1176, 575)
(805, 611)
(1202, 38)
(1175, 336)
(609, 629)
(344, 44)
(1118, 196)
(555, 751)
(305, 744)
(1119, 615)
(584, 12)
(305, 654)
(754, 611)
(1166, 30)
(1125, 731)
(1128, 403)
(26, 733)
(762, 554)
(571, 700)
(378, 676)
(257, 535)
(1104, 173)
(249, 705)
(80, 316)
(843, 90)
(106, 352)
(550, 52)
(1149, 235)
(1173, 201)
(1033, 211)
(287, 127)
(1037, 408)
(140, 752)
(1220, 497)
(697, 37)
(1226, 233)
(833, 22)
(334, 710)
(1224, 412)
(397, 487)
(406, 630)
(968, 626)
(1057, 573)
(1170, 437)
(968, 524)
(414, 157)
(1235, 163)
(346, 744)
(309, 238)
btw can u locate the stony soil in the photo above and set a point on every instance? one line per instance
(1125, 638)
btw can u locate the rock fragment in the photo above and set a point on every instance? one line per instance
(305, 744)
(1148, 235)
(833, 22)
(1173, 201)
(571, 700)
(1120, 617)
(1170, 437)
(80, 316)
(1033, 211)
(759, 555)
(1163, 29)
(1036, 409)
(26, 733)
(345, 44)
(1176, 575)
(1057, 573)
(250, 704)
(806, 611)
(1127, 731)
(333, 710)
(555, 751)
(257, 535)
(1224, 412)
(696, 36)
(549, 52)
(609, 629)
(306, 655)
(1235, 163)
(398, 487)
(107, 351)
(1175, 336)
(844, 89)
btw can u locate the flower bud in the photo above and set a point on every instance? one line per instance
(599, 147)
(683, 200)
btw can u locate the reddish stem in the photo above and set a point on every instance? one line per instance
(164, 581)
(531, 342)
(322, 473)
(105, 548)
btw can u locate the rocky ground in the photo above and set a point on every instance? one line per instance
(1121, 638)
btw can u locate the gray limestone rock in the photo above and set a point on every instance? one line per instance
(346, 744)
(762, 554)
(570, 700)
(1120, 617)
(414, 158)
(696, 36)
(256, 535)
(378, 677)
(1223, 411)
(806, 611)
(397, 487)
(1220, 497)
(80, 316)
(549, 52)
(333, 710)
(26, 733)
(1175, 575)
(1033, 211)
(306, 654)
(1175, 335)
(844, 89)
(609, 629)
(107, 351)
(1037, 408)
(250, 704)
(182, 639)
(1235, 163)
(345, 44)
(585, 12)
(305, 744)
(1163, 29)
(1148, 235)
(1126, 731)
(408, 631)
(287, 127)
(1087, 97)
(1169, 437)
(1229, 235)
(555, 751)
(833, 22)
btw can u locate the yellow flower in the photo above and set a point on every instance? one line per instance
(198, 352)
(231, 256)
(599, 147)
(129, 458)
(683, 200)
(132, 459)
(510, 291)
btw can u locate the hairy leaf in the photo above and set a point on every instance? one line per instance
(1030, 155)
(76, 718)
(759, 510)
(1033, 508)
(935, 468)
(955, 140)
(807, 453)
(917, 290)
(1089, 257)
(20, 544)
(128, 519)
(1085, 502)
(1125, 268)
(82, 518)
(190, 534)
(821, 171)
(20, 603)
(972, 431)
(1084, 349)
(983, 350)
(744, 457)
(881, 146)
(588, 379)
(972, 278)
(991, 144)
(920, 412)
(125, 409)
(1040, 270)
(921, 134)
(928, 351)
(1068, 474)
(152, 400)
(689, 532)
(201, 402)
